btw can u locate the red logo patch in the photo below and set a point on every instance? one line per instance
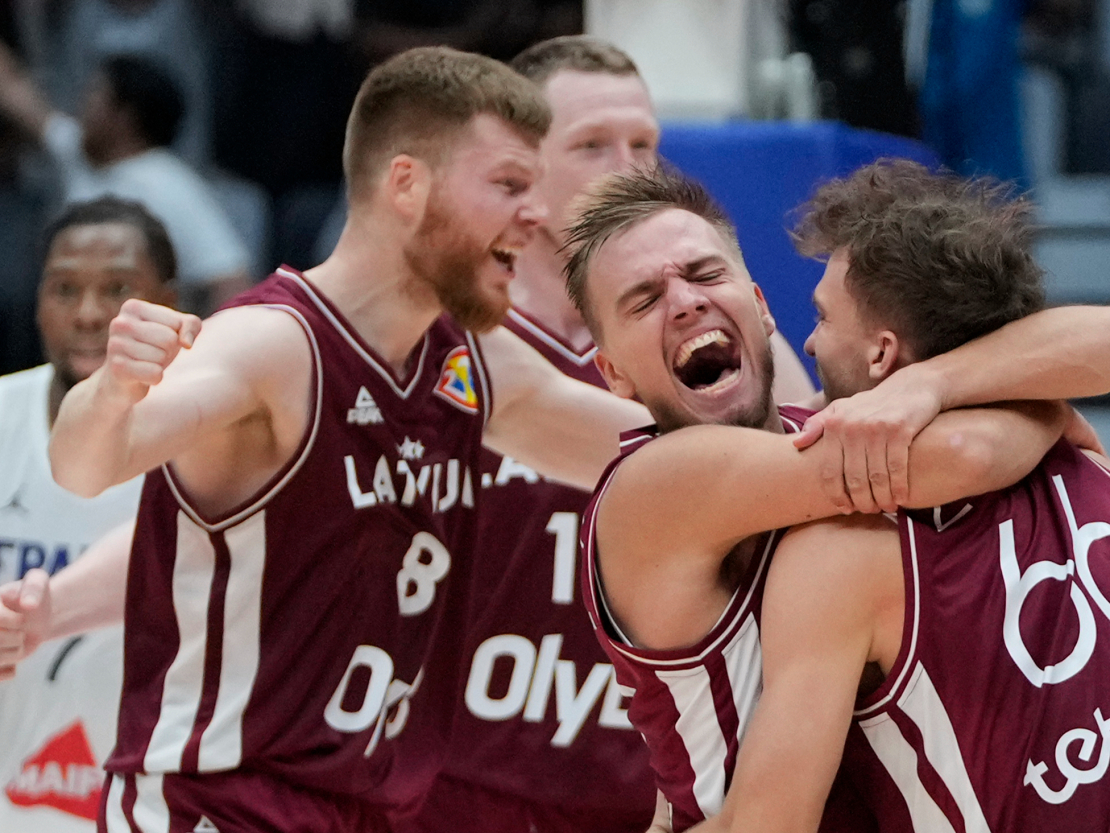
(63, 775)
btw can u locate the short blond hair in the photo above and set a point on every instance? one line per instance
(572, 53)
(417, 101)
(621, 201)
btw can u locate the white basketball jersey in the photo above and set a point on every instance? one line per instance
(57, 718)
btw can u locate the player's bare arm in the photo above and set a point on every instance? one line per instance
(730, 484)
(1061, 353)
(562, 427)
(238, 395)
(833, 606)
(87, 594)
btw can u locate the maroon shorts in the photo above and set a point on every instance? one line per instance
(228, 802)
(464, 807)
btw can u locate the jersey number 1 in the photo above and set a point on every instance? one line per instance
(564, 526)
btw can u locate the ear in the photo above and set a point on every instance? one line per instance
(407, 186)
(764, 311)
(884, 356)
(618, 383)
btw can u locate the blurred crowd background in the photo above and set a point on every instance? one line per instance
(226, 116)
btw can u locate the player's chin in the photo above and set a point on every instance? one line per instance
(483, 313)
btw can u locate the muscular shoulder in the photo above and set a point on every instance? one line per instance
(257, 336)
(850, 557)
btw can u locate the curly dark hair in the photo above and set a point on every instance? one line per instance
(937, 258)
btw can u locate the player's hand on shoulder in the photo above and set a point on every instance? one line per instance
(142, 341)
(869, 438)
(24, 619)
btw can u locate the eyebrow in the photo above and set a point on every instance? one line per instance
(641, 288)
(645, 286)
(702, 262)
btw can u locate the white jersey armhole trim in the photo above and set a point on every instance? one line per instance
(601, 604)
(909, 660)
(479, 364)
(313, 429)
(724, 625)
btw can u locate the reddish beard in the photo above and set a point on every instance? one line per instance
(443, 255)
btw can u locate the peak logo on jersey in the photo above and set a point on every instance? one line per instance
(205, 825)
(63, 775)
(365, 411)
(455, 384)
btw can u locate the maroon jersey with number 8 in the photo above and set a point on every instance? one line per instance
(313, 632)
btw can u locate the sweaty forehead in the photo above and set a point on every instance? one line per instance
(665, 241)
(580, 97)
(488, 141)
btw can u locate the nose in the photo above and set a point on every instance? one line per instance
(808, 346)
(626, 158)
(533, 210)
(92, 313)
(685, 298)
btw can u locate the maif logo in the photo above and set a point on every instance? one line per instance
(63, 775)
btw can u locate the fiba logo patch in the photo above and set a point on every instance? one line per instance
(455, 381)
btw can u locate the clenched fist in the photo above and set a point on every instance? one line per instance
(142, 341)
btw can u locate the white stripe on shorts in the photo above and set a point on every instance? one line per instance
(151, 813)
(114, 819)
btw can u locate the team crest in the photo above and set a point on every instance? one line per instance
(455, 382)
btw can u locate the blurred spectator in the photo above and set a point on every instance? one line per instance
(970, 101)
(856, 47)
(58, 715)
(130, 115)
(1062, 37)
(289, 70)
(21, 217)
(287, 76)
(68, 40)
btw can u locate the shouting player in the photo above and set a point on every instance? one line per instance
(541, 739)
(657, 272)
(304, 535)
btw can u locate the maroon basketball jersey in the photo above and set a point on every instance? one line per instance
(691, 705)
(293, 635)
(995, 715)
(542, 715)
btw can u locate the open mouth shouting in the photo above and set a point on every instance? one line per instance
(709, 362)
(506, 257)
